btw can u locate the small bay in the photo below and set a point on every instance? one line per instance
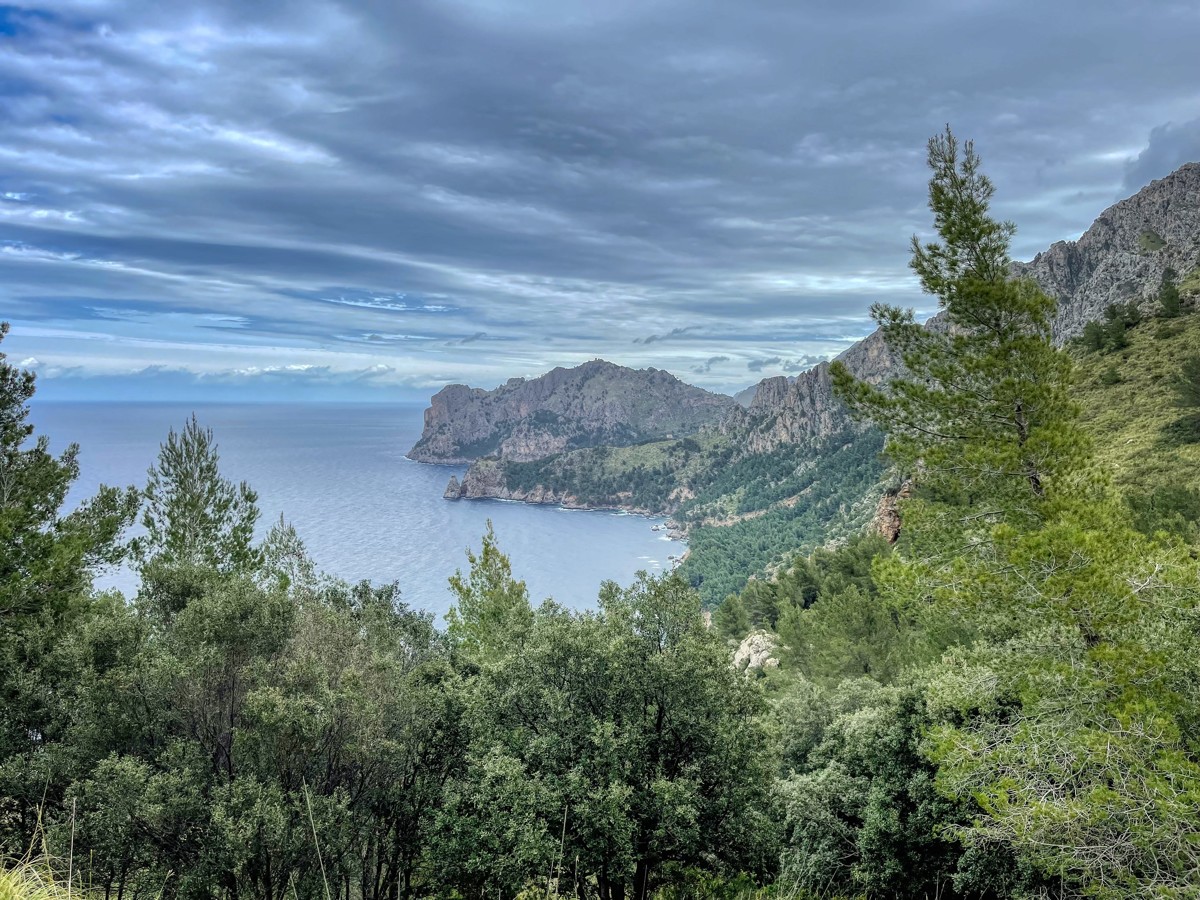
(338, 473)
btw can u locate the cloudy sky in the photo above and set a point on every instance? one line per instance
(370, 199)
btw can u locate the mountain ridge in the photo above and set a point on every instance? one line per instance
(1120, 258)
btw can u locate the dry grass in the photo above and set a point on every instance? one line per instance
(35, 879)
(1132, 420)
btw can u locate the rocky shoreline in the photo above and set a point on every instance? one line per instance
(477, 488)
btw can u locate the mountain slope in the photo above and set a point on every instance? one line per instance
(1128, 402)
(1122, 256)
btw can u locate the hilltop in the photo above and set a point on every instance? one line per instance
(597, 403)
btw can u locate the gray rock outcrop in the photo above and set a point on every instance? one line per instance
(1122, 257)
(756, 652)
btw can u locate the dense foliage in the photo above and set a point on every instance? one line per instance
(744, 512)
(245, 727)
(822, 488)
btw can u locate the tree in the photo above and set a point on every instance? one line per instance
(1187, 395)
(1094, 337)
(614, 752)
(862, 810)
(49, 555)
(731, 619)
(492, 614)
(199, 526)
(193, 515)
(984, 412)
(1169, 305)
(1062, 707)
(47, 559)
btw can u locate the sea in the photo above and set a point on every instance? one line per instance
(338, 473)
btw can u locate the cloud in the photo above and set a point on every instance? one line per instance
(389, 302)
(377, 338)
(673, 333)
(469, 339)
(1169, 147)
(803, 363)
(272, 184)
(757, 365)
(705, 367)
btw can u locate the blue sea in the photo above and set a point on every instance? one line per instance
(338, 473)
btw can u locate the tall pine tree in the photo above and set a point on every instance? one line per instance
(983, 414)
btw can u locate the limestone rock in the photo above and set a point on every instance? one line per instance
(755, 652)
(1122, 257)
(590, 405)
(453, 489)
(886, 521)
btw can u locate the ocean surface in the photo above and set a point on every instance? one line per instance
(339, 475)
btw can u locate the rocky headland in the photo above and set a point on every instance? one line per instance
(594, 404)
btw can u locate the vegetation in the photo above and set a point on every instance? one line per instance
(744, 513)
(643, 476)
(1112, 335)
(1142, 437)
(1001, 705)
(247, 727)
(1169, 298)
(822, 499)
(1150, 241)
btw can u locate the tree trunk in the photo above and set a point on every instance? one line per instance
(641, 880)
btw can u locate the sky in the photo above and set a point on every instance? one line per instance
(368, 200)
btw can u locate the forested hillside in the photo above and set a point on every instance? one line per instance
(1001, 704)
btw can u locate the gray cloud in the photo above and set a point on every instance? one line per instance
(673, 333)
(273, 184)
(801, 364)
(469, 339)
(707, 366)
(1170, 146)
(757, 365)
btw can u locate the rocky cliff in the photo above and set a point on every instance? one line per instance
(791, 411)
(597, 403)
(488, 479)
(1122, 257)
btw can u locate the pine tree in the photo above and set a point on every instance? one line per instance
(984, 411)
(1169, 306)
(193, 515)
(492, 614)
(1187, 396)
(48, 555)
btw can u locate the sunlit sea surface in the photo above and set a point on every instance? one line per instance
(339, 475)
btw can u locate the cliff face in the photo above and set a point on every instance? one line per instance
(1122, 257)
(593, 404)
(790, 411)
